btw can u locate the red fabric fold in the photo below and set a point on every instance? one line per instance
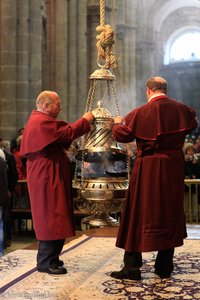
(180, 118)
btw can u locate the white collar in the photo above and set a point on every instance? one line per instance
(156, 95)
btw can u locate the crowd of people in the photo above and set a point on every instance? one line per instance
(191, 150)
(9, 163)
(43, 153)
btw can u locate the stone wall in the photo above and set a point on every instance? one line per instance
(51, 45)
(20, 62)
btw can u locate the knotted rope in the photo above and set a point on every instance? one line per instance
(105, 41)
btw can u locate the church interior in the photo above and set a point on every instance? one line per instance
(53, 45)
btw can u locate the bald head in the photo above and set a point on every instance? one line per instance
(157, 84)
(49, 103)
(46, 96)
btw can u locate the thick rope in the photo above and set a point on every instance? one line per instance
(102, 12)
(105, 41)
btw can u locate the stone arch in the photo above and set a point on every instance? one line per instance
(158, 21)
(174, 21)
(169, 7)
(177, 33)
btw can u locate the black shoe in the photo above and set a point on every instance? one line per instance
(123, 274)
(53, 270)
(162, 274)
(59, 263)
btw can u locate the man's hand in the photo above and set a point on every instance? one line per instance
(89, 116)
(118, 119)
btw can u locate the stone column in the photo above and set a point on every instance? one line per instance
(121, 72)
(93, 21)
(66, 55)
(21, 62)
(72, 58)
(145, 49)
(22, 71)
(82, 56)
(49, 47)
(125, 44)
(131, 41)
(36, 37)
(61, 51)
(8, 68)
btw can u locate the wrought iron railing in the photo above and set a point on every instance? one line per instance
(192, 200)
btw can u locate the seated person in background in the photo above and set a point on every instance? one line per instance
(197, 145)
(192, 162)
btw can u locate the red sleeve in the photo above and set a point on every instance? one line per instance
(72, 131)
(122, 133)
(42, 130)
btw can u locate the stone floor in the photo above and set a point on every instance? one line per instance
(27, 240)
(193, 231)
(20, 242)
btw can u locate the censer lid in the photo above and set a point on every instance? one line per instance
(99, 144)
(101, 112)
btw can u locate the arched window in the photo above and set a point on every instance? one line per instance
(183, 48)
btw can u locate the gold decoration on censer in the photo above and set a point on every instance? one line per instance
(102, 191)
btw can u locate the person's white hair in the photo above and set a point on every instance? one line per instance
(2, 155)
(6, 145)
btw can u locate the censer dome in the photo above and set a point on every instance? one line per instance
(99, 143)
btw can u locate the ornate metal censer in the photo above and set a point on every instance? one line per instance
(101, 190)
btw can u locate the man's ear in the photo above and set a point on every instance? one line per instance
(45, 106)
(147, 90)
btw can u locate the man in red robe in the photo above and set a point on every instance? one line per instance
(153, 214)
(49, 179)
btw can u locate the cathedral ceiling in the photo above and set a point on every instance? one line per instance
(165, 8)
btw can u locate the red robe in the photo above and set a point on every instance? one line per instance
(48, 173)
(153, 214)
(21, 169)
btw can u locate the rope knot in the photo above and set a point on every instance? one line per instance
(104, 46)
